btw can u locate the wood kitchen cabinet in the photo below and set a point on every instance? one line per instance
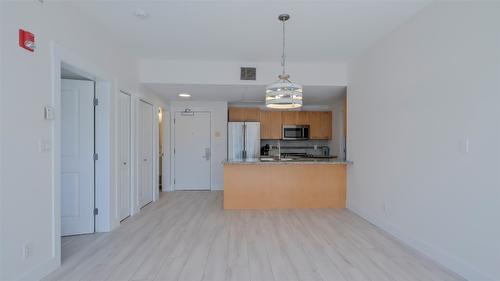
(270, 125)
(271, 122)
(294, 117)
(320, 125)
(243, 114)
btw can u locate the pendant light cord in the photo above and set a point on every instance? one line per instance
(283, 55)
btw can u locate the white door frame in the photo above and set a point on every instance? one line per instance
(173, 146)
(104, 87)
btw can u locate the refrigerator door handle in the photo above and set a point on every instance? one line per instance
(244, 152)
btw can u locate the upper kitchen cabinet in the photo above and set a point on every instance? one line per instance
(320, 125)
(243, 114)
(270, 125)
(295, 117)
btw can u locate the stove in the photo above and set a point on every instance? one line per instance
(305, 155)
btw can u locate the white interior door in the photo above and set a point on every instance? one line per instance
(124, 155)
(145, 153)
(192, 151)
(77, 157)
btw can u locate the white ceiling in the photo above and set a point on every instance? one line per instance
(249, 30)
(313, 95)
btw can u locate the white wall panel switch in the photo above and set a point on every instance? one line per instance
(48, 112)
(464, 145)
(45, 146)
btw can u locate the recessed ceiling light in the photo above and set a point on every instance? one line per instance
(184, 95)
(141, 14)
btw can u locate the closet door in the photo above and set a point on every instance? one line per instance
(124, 122)
(145, 153)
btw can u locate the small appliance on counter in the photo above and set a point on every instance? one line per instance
(264, 151)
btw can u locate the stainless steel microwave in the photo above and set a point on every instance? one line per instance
(295, 132)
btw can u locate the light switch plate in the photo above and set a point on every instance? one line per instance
(45, 146)
(48, 112)
(464, 145)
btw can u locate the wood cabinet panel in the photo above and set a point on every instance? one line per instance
(320, 125)
(252, 114)
(326, 125)
(302, 118)
(236, 114)
(270, 125)
(241, 114)
(295, 117)
(315, 125)
(289, 186)
(289, 117)
(320, 122)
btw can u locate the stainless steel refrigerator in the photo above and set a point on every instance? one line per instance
(243, 140)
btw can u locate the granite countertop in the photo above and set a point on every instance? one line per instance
(258, 161)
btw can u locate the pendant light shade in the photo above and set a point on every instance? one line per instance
(284, 94)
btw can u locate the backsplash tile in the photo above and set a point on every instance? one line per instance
(313, 147)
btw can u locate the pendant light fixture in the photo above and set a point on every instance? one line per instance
(284, 94)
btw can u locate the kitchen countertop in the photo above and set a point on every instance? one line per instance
(258, 161)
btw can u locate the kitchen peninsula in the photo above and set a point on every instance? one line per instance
(283, 160)
(284, 184)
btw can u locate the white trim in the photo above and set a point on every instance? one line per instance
(104, 178)
(447, 261)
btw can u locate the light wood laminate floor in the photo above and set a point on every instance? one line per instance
(188, 236)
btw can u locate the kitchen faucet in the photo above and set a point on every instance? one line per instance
(279, 150)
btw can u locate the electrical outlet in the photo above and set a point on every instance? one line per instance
(27, 250)
(386, 207)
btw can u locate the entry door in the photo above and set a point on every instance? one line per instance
(145, 153)
(192, 151)
(77, 157)
(124, 155)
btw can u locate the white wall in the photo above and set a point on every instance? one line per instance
(26, 183)
(413, 100)
(228, 73)
(218, 114)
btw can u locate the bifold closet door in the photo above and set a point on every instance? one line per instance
(124, 122)
(145, 159)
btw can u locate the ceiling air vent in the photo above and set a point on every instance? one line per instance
(248, 73)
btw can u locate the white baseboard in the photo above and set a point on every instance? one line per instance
(40, 271)
(452, 263)
(217, 189)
